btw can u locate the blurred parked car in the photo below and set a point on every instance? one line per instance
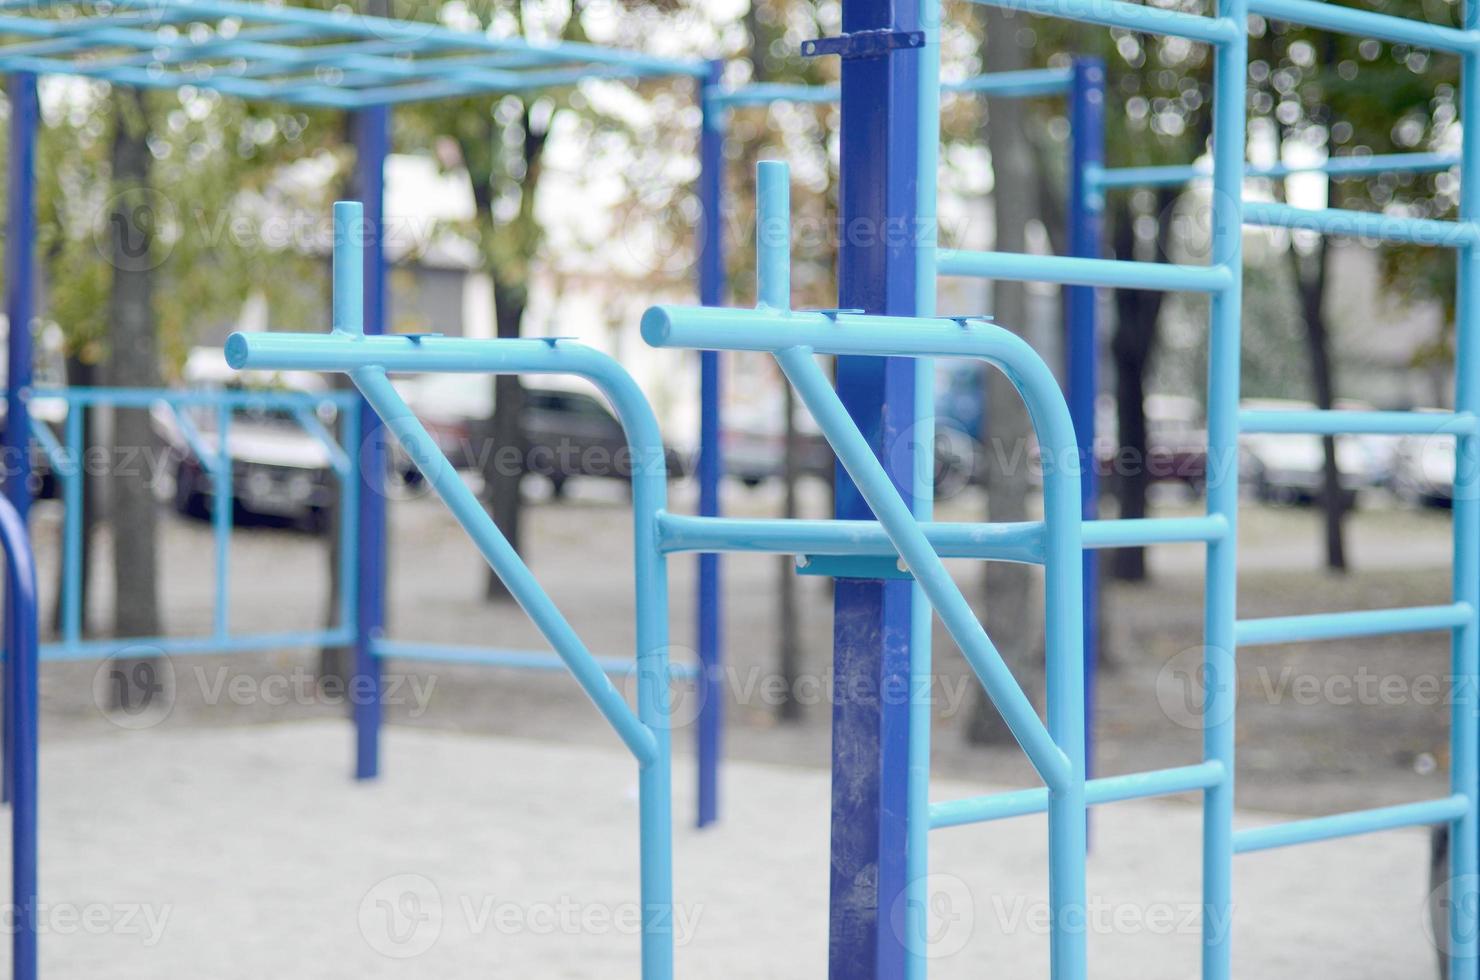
(567, 433)
(1422, 471)
(278, 469)
(1288, 468)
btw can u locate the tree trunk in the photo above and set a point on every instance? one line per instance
(1133, 346)
(1009, 590)
(1311, 277)
(789, 653)
(503, 470)
(133, 362)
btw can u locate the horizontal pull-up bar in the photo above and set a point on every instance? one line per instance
(1344, 166)
(1024, 84)
(1363, 23)
(1070, 271)
(1363, 224)
(1351, 824)
(1131, 17)
(1107, 789)
(1338, 422)
(1015, 542)
(1362, 622)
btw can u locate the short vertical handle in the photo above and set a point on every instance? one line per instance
(349, 267)
(773, 235)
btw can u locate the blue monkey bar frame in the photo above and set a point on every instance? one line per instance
(65, 457)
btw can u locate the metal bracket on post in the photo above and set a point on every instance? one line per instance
(863, 44)
(875, 567)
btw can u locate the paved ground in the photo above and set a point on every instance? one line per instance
(245, 853)
(1322, 728)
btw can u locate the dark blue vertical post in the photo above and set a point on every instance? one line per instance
(711, 466)
(871, 617)
(1086, 208)
(20, 723)
(21, 650)
(372, 143)
(20, 309)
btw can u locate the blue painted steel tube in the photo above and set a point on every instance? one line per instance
(1335, 423)
(1337, 167)
(880, 187)
(1081, 319)
(74, 481)
(921, 712)
(1000, 541)
(1132, 17)
(1428, 812)
(222, 505)
(22, 722)
(1107, 789)
(179, 645)
(542, 660)
(710, 613)
(1069, 270)
(367, 359)
(20, 282)
(1342, 625)
(1220, 609)
(1362, 23)
(1362, 224)
(1464, 765)
(1057, 754)
(361, 233)
(1026, 84)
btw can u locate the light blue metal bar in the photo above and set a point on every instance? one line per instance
(1336, 167)
(450, 653)
(1464, 712)
(647, 734)
(1000, 541)
(56, 456)
(845, 333)
(209, 398)
(1025, 84)
(1137, 532)
(1335, 423)
(1362, 224)
(1351, 824)
(1107, 789)
(1220, 601)
(223, 509)
(204, 645)
(74, 478)
(1132, 17)
(365, 356)
(1363, 23)
(1118, 273)
(1365, 622)
(210, 459)
(310, 423)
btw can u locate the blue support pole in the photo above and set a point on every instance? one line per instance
(22, 720)
(711, 466)
(877, 273)
(20, 281)
(1086, 208)
(372, 139)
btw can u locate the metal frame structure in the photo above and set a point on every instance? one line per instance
(883, 530)
(328, 59)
